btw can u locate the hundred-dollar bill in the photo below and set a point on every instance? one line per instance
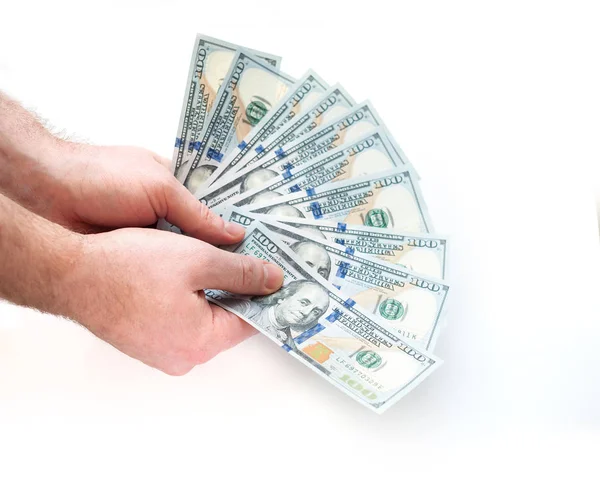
(328, 332)
(333, 103)
(421, 253)
(304, 94)
(391, 199)
(210, 62)
(356, 123)
(403, 300)
(248, 92)
(374, 152)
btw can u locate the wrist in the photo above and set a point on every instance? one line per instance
(61, 258)
(66, 281)
(33, 162)
(30, 174)
(80, 276)
(89, 291)
(38, 260)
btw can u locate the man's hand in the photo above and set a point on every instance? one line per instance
(103, 188)
(110, 187)
(138, 289)
(141, 291)
(89, 188)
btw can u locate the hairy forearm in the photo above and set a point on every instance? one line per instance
(38, 260)
(30, 159)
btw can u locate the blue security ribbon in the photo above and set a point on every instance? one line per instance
(350, 250)
(342, 269)
(333, 316)
(339, 240)
(349, 303)
(295, 188)
(213, 154)
(242, 145)
(280, 152)
(197, 145)
(316, 210)
(310, 191)
(286, 347)
(338, 287)
(309, 333)
(259, 149)
(178, 142)
(287, 174)
(341, 226)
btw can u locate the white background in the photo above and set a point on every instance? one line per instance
(497, 105)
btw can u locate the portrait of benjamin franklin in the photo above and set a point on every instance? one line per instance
(315, 255)
(293, 309)
(256, 179)
(264, 197)
(285, 210)
(311, 231)
(199, 176)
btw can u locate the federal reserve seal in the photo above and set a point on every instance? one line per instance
(377, 218)
(391, 309)
(369, 359)
(255, 112)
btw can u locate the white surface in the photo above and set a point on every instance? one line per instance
(497, 107)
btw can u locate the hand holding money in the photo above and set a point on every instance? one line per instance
(91, 188)
(327, 194)
(118, 283)
(152, 307)
(262, 147)
(327, 331)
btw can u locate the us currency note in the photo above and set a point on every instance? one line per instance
(391, 199)
(421, 253)
(248, 92)
(329, 333)
(374, 152)
(405, 301)
(359, 121)
(210, 62)
(333, 103)
(304, 94)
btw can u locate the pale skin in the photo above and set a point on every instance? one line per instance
(74, 242)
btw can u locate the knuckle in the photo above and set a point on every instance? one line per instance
(170, 184)
(204, 212)
(248, 272)
(167, 189)
(204, 349)
(177, 369)
(170, 371)
(202, 357)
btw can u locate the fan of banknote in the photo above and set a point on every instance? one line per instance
(325, 192)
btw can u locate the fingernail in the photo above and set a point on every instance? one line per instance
(273, 276)
(234, 229)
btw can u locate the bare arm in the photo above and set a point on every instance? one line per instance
(126, 290)
(29, 159)
(37, 259)
(89, 188)
(140, 290)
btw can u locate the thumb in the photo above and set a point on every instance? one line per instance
(196, 219)
(237, 273)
